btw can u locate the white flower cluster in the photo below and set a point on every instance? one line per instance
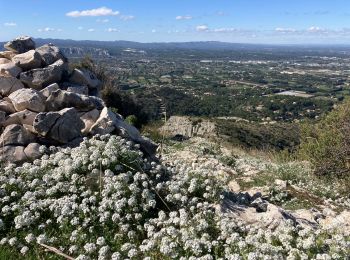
(104, 200)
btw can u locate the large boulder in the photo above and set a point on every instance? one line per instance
(89, 118)
(25, 117)
(32, 151)
(7, 54)
(10, 68)
(50, 54)
(21, 44)
(60, 99)
(12, 154)
(28, 99)
(7, 106)
(62, 126)
(28, 60)
(16, 135)
(105, 124)
(49, 89)
(42, 77)
(85, 77)
(4, 61)
(9, 84)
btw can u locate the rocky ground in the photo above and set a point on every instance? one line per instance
(264, 193)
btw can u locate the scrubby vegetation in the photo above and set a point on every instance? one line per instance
(104, 200)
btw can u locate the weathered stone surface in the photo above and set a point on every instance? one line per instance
(32, 151)
(28, 60)
(89, 119)
(12, 154)
(49, 89)
(16, 135)
(50, 54)
(23, 117)
(7, 106)
(7, 54)
(10, 68)
(62, 126)
(85, 77)
(9, 84)
(60, 99)
(83, 90)
(2, 117)
(105, 124)
(4, 61)
(42, 77)
(28, 99)
(21, 44)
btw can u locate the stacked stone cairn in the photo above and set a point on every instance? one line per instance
(42, 103)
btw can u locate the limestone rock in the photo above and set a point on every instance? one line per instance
(62, 126)
(7, 54)
(10, 68)
(28, 99)
(7, 106)
(12, 154)
(21, 44)
(16, 135)
(89, 119)
(4, 61)
(83, 90)
(23, 117)
(28, 60)
(9, 84)
(32, 151)
(2, 117)
(85, 77)
(60, 99)
(42, 77)
(49, 89)
(105, 124)
(50, 54)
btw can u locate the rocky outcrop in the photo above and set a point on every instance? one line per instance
(189, 127)
(43, 103)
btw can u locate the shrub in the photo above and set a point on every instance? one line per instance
(326, 144)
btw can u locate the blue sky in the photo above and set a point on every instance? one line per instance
(247, 21)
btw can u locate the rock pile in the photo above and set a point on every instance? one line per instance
(43, 103)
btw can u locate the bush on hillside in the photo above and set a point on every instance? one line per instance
(326, 144)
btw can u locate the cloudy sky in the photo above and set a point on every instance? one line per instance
(246, 21)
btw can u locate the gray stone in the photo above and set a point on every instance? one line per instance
(2, 117)
(7, 54)
(85, 77)
(25, 117)
(28, 60)
(42, 77)
(12, 154)
(16, 135)
(60, 99)
(7, 106)
(50, 54)
(32, 151)
(28, 99)
(4, 61)
(9, 84)
(49, 89)
(21, 44)
(89, 119)
(83, 90)
(10, 68)
(62, 126)
(105, 124)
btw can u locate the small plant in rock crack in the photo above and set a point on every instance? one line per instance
(278, 195)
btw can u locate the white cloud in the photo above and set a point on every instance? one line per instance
(285, 30)
(91, 30)
(154, 31)
(315, 29)
(127, 17)
(183, 17)
(80, 28)
(10, 24)
(225, 30)
(48, 29)
(112, 30)
(102, 20)
(202, 28)
(102, 11)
